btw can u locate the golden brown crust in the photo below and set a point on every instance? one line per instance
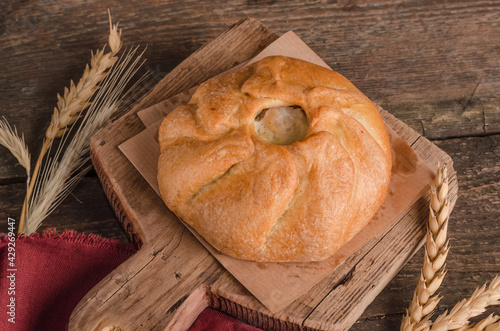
(254, 200)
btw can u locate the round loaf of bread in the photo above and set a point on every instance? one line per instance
(282, 160)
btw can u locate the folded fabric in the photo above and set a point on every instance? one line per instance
(50, 274)
(44, 276)
(214, 320)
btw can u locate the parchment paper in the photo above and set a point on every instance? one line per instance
(276, 285)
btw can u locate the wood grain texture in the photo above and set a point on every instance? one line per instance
(434, 65)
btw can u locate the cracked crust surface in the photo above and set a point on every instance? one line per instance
(258, 201)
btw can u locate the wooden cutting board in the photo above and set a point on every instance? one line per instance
(277, 285)
(173, 277)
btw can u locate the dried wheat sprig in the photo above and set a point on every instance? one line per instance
(73, 102)
(61, 173)
(436, 250)
(459, 316)
(10, 139)
(75, 99)
(490, 323)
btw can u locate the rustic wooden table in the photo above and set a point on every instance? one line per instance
(435, 66)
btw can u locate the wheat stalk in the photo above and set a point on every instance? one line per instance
(490, 323)
(433, 271)
(436, 250)
(73, 102)
(468, 308)
(62, 172)
(10, 139)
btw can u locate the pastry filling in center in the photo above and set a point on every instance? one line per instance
(282, 125)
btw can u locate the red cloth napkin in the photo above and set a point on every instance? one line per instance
(50, 273)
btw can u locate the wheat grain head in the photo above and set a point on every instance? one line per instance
(436, 250)
(74, 101)
(459, 316)
(10, 139)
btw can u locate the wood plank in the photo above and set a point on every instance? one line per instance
(11, 171)
(441, 119)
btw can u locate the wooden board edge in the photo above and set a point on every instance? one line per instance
(252, 316)
(131, 231)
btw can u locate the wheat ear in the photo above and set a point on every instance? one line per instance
(74, 101)
(468, 308)
(10, 139)
(61, 173)
(436, 250)
(490, 323)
